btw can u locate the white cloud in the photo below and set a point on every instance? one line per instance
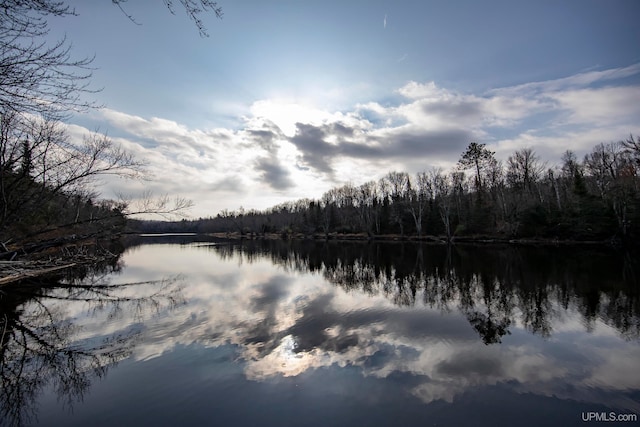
(268, 160)
(604, 106)
(415, 90)
(566, 83)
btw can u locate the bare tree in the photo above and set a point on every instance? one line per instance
(345, 200)
(399, 185)
(366, 201)
(524, 169)
(615, 174)
(604, 164)
(327, 204)
(443, 190)
(632, 146)
(421, 193)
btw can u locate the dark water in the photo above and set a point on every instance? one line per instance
(187, 332)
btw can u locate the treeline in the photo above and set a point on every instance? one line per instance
(594, 198)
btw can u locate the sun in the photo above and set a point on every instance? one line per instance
(286, 114)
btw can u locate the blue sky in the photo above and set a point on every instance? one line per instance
(286, 99)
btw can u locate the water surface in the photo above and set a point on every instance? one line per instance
(196, 332)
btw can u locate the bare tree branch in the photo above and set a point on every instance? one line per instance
(193, 8)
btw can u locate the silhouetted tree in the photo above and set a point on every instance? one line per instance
(476, 157)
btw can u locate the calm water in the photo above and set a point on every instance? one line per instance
(185, 332)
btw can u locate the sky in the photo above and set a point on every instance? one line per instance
(287, 99)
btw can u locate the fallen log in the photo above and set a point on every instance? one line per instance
(31, 273)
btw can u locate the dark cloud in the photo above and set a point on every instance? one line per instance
(361, 151)
(468, 365)
(231, 184)
(273, 173)
(414, 143)
(342, 130)
(271, 293)
(265, 332)
(266, 136)
(318, 316)
(387, 354)
(406, 143)
(454, 110)
(311, 330)
(316, 152)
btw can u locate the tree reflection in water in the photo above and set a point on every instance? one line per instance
(63, 337)
(494, 287)
(42, 345)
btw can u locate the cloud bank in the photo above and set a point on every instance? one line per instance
(283, 150)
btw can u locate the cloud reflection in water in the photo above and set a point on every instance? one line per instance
(445, 319)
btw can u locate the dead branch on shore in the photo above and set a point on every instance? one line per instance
(16, 271)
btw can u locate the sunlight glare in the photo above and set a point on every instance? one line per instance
(286, 114)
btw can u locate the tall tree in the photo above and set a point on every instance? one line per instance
(476, 157)
(367, 206)
(443, 196)
(399, 187)
(420, 195)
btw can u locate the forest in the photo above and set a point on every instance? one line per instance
(595, 198)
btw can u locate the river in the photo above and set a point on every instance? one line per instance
(193, 331)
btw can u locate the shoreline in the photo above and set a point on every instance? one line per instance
(363, 237)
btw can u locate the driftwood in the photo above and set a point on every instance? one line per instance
(15, 271)
(32, 248)
(29, 249)
(49, 257)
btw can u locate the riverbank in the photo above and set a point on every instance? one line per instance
(425, 239)
(54, 262)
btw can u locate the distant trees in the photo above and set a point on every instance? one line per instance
(596, 198)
